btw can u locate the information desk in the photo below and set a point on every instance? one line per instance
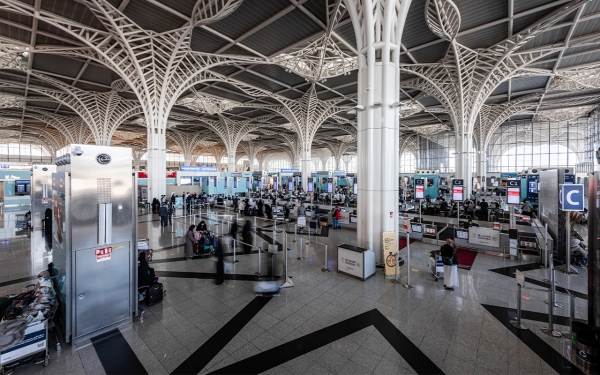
(356, 261)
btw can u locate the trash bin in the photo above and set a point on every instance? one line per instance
(585, 345)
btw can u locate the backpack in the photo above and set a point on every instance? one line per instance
(207, 240)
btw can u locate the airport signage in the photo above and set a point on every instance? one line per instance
(513, 191)
(289, 170)
(197, 168)
(484, 236)
(571, 197)
(533, 188)
(310, 185)
(458, 190)
(419, 188)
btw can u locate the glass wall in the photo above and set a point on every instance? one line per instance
(408, 162)
(519, 145)
(437, 152)
(26, 152)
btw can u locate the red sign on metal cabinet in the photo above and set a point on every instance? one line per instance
(171, 174)
(391, 215)
(103, 253)
(142, 175)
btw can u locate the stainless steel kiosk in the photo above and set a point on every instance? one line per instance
(93, 239)
(41, 192)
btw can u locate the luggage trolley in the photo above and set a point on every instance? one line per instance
(34, 346)
(436, 264)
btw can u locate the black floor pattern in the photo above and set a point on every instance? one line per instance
(116, 355)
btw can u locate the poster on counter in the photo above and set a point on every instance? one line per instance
(460, 233)
(390, 248)
(484, 236)
(350, 262)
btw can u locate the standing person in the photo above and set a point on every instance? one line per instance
(233, 230)
(450, 265)
(201, 227)
(155, 205)
(163, 212)
(190, 240)
(173, 199)
(302, 210)
(247, 237)
(170, 210)
(527, 208)
(484, 209)
(347, 200)
(337, 215)
(259, 206)
(220, 277)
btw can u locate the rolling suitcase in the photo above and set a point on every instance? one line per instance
(154, 294)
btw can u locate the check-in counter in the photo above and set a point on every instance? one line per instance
(356, 262)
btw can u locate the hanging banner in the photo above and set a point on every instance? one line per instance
(330, 185)
(310, 185)
(248, 183)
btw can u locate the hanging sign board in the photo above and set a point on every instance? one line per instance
(225, 183)
(248, 183)
(457, 190)
(571, 197)
(290, 185)
(513, 195)
(390, 248)
(330, 185)
(419, 188)
(235, 182)
(310, 185)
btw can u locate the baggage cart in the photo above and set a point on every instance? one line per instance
(436, 264)
(34, 346)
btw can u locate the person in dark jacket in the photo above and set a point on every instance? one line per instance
(145, 273)
(269, 212)
(484, 209)
(448, 251)
(201, 227)
(259, 206)
(155, 205)
(247, 237)
(220, 277)
(170, 210)
(233, 230)
(163, 212)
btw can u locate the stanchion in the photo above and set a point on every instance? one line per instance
(295, 233)
(517, 323)
(571, 316)
(288, 280)
(326, 269)
(300, 257)
(553, 286)
(259, 273)
(550, 329)
(408, 285)
(395, 280)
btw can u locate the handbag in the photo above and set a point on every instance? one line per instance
(447, 260)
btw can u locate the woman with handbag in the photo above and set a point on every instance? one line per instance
(450, 260)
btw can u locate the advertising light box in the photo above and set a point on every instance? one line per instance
(310, 185)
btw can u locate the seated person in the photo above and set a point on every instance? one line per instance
(145, 273)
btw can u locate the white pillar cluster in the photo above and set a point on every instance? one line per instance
(378, 27)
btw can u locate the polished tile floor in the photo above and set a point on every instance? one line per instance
(327, 323)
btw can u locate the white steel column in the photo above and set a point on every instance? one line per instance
(305, 163)
(156, 162)
(231, 160)
(464, 160)
(378, 28)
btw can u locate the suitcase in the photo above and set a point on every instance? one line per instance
(196, 247)
(154, 294)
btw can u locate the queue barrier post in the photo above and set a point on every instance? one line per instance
(259, 273)
(517, 323)
(550, 329)
(300, 257)
(326, 268)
